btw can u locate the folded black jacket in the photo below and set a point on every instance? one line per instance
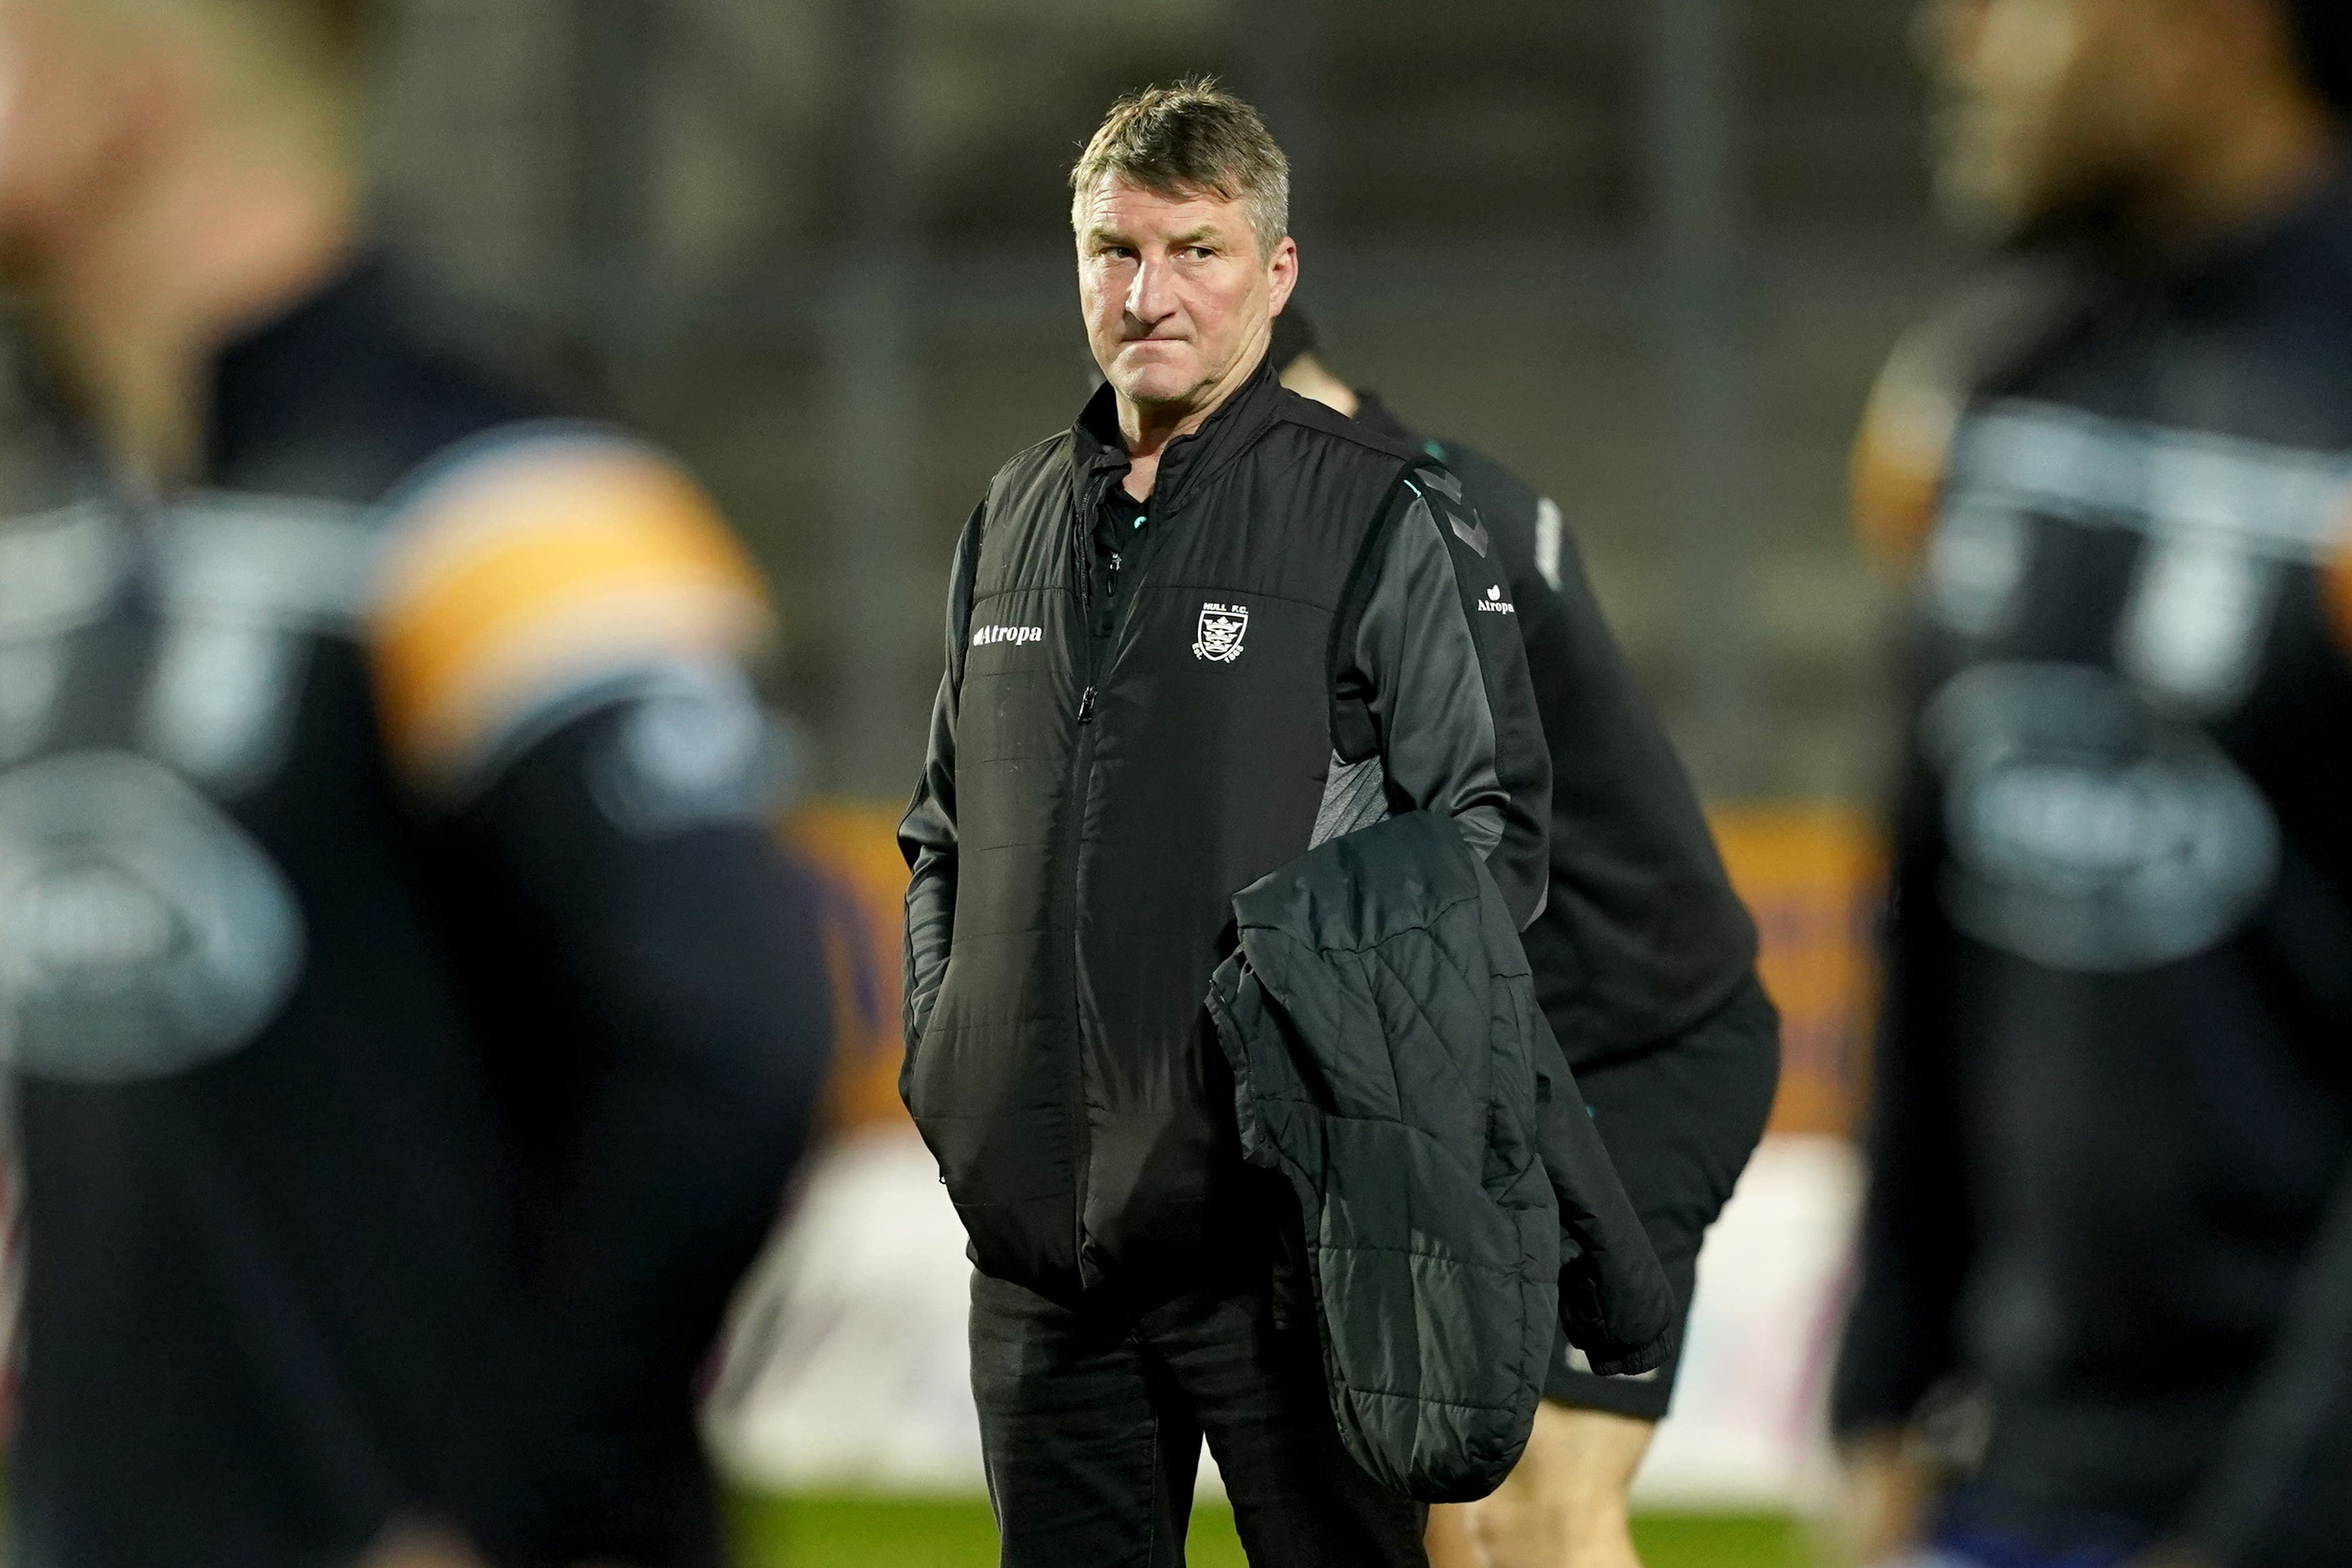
(1389, 1059)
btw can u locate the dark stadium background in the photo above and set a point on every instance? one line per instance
(1648, 251)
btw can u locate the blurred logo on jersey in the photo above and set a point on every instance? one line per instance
(1221, 628)
(1494, 603)
(2221, 522)
(692, 748)
(248, 584)
(2090, 832)
(58, 571)
(1975, 565)
(143, 933)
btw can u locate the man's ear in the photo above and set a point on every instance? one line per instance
(1282, 271)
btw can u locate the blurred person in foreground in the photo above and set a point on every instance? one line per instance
(2106, 1307)
(412, 1026)
(1645, 965)
(1188, 639)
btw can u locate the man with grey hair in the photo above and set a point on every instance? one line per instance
(1176, 632)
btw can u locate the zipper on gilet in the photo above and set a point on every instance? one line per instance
(1082, 580)
(1088, 501)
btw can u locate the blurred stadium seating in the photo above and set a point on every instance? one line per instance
(790, 234)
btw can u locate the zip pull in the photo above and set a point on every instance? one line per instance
(1086, 707)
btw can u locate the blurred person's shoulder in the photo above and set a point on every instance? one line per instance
(1492, 485)
(1318, 424)
(1503, 507)
(537, 569)
(529, 555)
(1988, 336)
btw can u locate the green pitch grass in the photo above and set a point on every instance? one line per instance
(861, 1532)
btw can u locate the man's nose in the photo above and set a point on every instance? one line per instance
(1150, 297)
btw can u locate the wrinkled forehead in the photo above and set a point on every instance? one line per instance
(1114, 205)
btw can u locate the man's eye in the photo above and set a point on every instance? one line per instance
(1199, 252)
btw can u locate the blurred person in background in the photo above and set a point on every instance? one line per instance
(1645, 965)
(2105, 1306)
(413, 1026)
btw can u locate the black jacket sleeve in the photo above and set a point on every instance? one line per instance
(927, 836)
(1436, 646)
(676, 1025)
(1916, 1239)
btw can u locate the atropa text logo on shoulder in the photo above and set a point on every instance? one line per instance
(989, 637)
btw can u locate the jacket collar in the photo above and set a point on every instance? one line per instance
(1098, 448)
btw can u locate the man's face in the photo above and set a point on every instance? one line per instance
(1176, 293)
(2045, 107)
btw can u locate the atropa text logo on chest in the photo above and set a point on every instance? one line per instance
(1222, 626)
(1494, 603)
(989, 637)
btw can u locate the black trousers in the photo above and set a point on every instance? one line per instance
(1092, 1427)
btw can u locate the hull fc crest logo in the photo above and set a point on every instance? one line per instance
(1222, 626)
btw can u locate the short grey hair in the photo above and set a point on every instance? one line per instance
(1183, 140)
